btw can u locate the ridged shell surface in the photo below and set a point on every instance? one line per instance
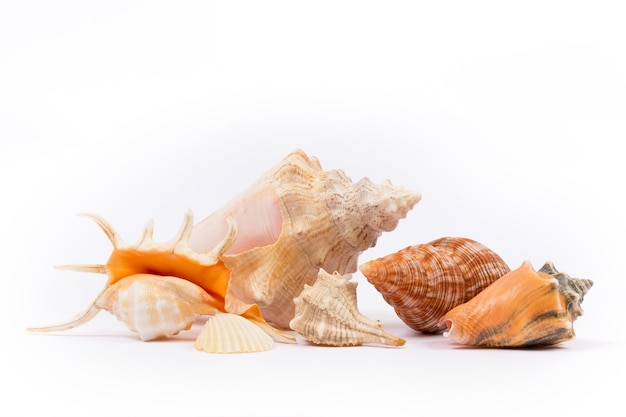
(524, 308)
(327, 314)
(425, 281)
(299, 219)
(154, 306)
(230, 333)
(160, 288)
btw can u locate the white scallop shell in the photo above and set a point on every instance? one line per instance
(230, 333)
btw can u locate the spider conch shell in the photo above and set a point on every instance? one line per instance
(230, 333)
(423, 282)
(158, 289)
(293, 221)
(327, 314)
(523, 308)
(154, 307)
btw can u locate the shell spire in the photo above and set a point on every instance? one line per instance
(573, 289)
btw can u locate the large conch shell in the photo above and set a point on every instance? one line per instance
(327, 314)
(423, 282)
(293, 221)
(158, 289)
(521, 309)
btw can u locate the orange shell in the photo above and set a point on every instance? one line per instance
(523, 308)
(147, 262)
(423, 282)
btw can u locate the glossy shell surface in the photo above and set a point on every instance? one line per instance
(524, 308)
(425, 281)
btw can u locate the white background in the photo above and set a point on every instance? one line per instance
(508, 119)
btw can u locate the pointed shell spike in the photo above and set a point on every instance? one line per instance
(107, 228)
(182, 236)
(78, 320)
(230, 333)
(153, 306)
(227, 242)
(92, 268)
(158, 289)
(327, 314)
(148, 233)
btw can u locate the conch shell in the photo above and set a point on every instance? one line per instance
(158, 289)
(521, 309)
(327, 314)
(423, 282)
(230, 333)
(152, 306)
(293, 221)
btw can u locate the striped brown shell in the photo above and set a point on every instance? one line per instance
(425, 281)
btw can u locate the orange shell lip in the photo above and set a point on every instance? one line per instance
(173, 259)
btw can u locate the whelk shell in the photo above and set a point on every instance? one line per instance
(230, 333)
(327, 314)
(423, 282)
(148, 279)
(521, 309)
(293, 221)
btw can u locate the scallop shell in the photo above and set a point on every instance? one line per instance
(523, 308)
(423, 282)
(293, 221)
(158, 289)
(327, 314)
(230, 333)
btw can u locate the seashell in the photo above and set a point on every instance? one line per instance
(293, 221)
(144, 276)
(327, 314)
(423, 282)
(153, 306)
(230, 333)
(521, 309)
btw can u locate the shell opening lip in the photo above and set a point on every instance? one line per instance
(449, 326)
